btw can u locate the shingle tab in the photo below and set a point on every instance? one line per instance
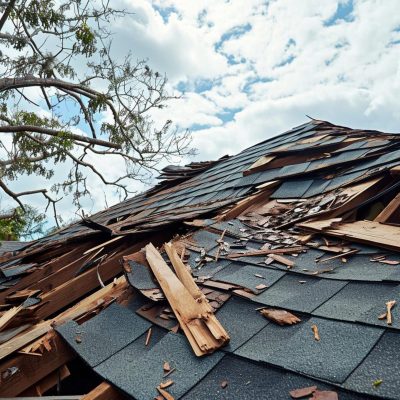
(140, 276)
(383, 363)
(341, 349)
(289, 292)
(292, 189)
(241, 320)
(248, 276)
(354, 300)
(105, 334)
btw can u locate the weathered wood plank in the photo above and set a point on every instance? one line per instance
(22, 370)
(104, 391)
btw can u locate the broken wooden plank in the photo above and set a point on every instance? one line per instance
(258, 165)
(106, 243)
(22, 371)
(369, 232)
(281, 260)
(190, 307)
(8, 316)
(347, 253)
(104, 391)
(265, 252)
(389, 210)
(261, 196)
(80, 308)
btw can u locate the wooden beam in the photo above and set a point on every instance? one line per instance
(75, 288)
(84, 306)
(47, 382)
(104, 391)
(241, 206)
(21, 371)
(389, 210)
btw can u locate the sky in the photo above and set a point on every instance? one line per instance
(247, 70)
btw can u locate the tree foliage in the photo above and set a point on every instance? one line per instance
(22, 224)
(61, 53)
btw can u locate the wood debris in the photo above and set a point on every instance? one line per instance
(166, 366)
(261, 286)
(281, 260)
(165, 394)
(148, 337)
(267, 252)
(315, 332)
(61, 279)
(166, 384)
(8, 316)
(324, 395)
(389, 305)
(195, 316)
(303, 392)
(281, 317)
(224, 384)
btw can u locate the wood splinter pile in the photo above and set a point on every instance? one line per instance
(195, 315)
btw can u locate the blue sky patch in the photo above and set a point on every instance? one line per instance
(165, 12)
(343, 12)
(228, 114)
(234, 33)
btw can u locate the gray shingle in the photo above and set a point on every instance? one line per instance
(382, 363)
(241, 321)
(139, 375)
(105, 334)
(341, 349)
(245, 275)
(140, 276)
(354, 300)
(289, 293)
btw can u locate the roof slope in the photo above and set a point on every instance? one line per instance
(307, 222)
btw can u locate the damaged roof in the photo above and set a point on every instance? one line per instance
(274, 273)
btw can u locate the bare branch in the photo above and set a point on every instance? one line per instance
(6, 13)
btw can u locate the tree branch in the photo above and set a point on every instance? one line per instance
(55, 133)
(6, 13)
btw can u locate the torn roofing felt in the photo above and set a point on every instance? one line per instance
(292, 245)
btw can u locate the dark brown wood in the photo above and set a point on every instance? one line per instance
(31, 369)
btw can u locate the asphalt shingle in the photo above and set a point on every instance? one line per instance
(383, 363)
(289, 292)
(139, 375)
(241, 320)
(105, 334)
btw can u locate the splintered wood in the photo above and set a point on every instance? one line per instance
(202, 329)
(388, 314)
(280, 317)
(315, 332)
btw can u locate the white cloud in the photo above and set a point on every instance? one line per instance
(252, 69)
